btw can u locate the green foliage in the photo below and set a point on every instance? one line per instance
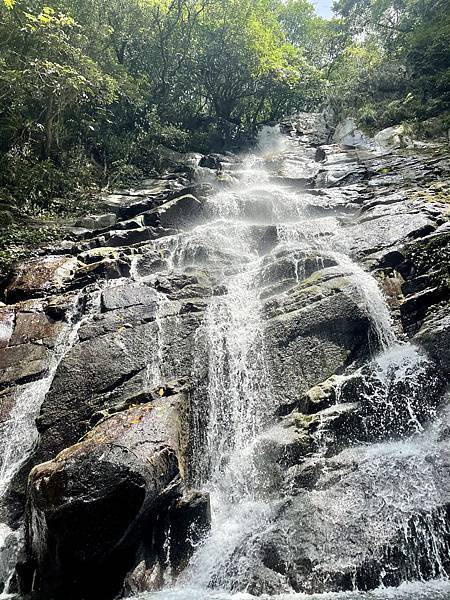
(401, 70)
(91, 90)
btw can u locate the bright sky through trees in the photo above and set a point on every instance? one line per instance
(324, 8)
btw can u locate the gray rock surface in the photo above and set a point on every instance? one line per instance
(114, 425)
(348, 133)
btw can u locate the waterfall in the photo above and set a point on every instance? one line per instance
(314, 427)
(234, 394)
(327, 236)
(18, 433)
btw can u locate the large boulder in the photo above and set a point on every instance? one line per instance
(313, 331)
(335, 531)
(97, 221)
(348, 133)
(96, 508)
(112, 361)
(434, 336)
(41, 276)
(178, 213)
(312, 128)
(392, 137)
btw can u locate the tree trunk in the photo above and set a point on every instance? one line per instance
(49, 128)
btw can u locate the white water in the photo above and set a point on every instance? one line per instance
(328, 237)
(434, 590)
(233, 409)
(18, 434)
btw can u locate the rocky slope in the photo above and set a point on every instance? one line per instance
(101, 344)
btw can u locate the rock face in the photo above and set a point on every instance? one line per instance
(100, 502)
(315, 542)
(282, 330)
(348, 133)
(392, 137)
(314, 331)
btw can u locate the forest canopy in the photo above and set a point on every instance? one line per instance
(92, 90)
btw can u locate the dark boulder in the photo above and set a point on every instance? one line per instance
(434, 336)
(313, 331)
(211, 161)
(98, 504)
(178, 213)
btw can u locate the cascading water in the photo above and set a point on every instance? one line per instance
(19, 433)
(323, 480)
(233, 409)
(327, 236)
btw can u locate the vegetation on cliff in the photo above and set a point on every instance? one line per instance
(91, 90)
(397, 66)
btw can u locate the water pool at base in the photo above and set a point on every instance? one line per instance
(432, 590)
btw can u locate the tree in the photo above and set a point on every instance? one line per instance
(407, 74)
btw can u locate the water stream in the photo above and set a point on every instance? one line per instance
(379, 488)
(234, 409)
(18, 434)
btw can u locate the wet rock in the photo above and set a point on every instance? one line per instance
(386, 231)
(97, 221)
(7, 402)
(335, 528)
(149, 263)
(425, 271)
(211, 161)
(57, 308)
(130, 204)
(320, 155)
(35, 327)
(7, 317)
(267, 240)
(181, 286)
(415, 307)
(303, 476)
(23, 363)
(92, 515)
(117, 238)
(434, 336)
(115, 347)
(312, 332)
(180, 212)
(126, 206)
(283, 269)
(124, 296)
(96, 255)
(320, 396)
(340, 175)
(92, 507)
(189, 520)
(39, 277)
(11, 544)
(184, 160)
(108, 268)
